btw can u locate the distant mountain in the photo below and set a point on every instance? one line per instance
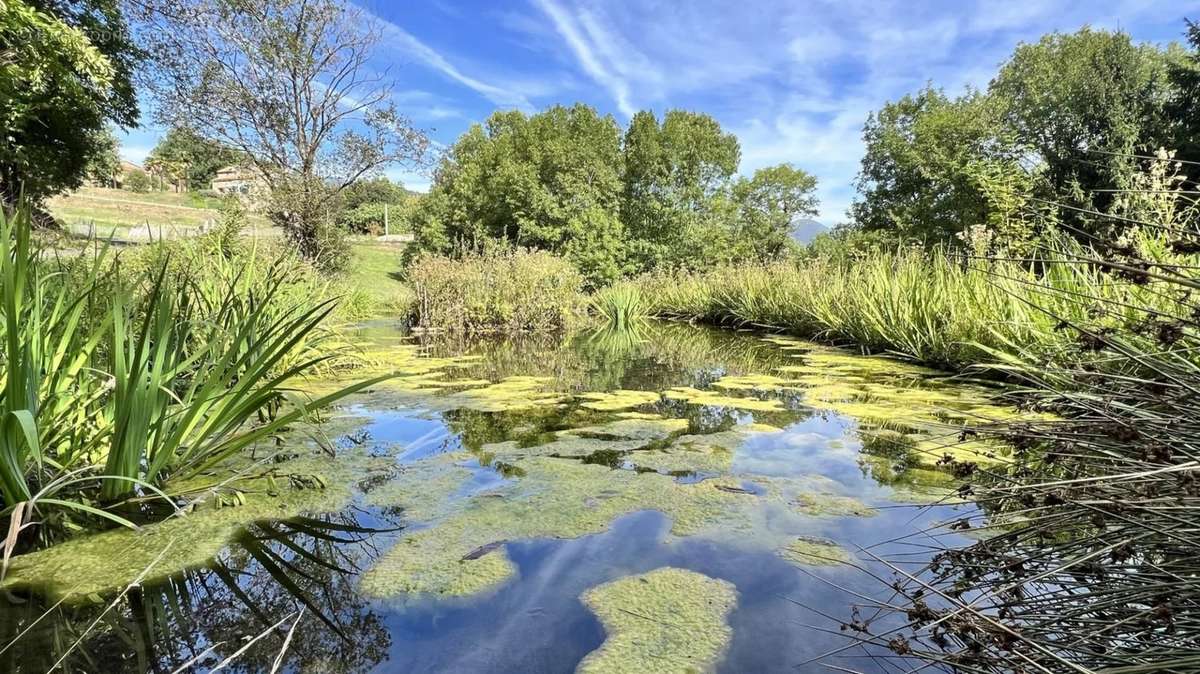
(804, 231)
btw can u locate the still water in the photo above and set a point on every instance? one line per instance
(673, 499)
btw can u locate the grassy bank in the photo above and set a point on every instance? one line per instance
(944, 310)
(126, 373)
(107, 209)
(509, 291)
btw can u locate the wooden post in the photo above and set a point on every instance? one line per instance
(387, 229)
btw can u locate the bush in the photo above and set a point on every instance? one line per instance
(508, 291)
(138, 181)
(369, 219)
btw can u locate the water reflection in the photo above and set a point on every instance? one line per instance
(244, 603)
(273, 571)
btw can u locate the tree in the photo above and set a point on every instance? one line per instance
(550, 181)
(105, 163)
(1184, 107)
(769, 203)
(675, 177)
(188, 157)
(1085, 102)
(287, 84)
(918, 174)
(59, 90)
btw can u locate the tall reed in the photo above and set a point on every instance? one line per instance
(115, 387)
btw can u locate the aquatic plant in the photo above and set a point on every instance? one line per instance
(110, 394)
(935, 307)
(1086, 557)
(621, 305)
(667, 620)
(508, 291)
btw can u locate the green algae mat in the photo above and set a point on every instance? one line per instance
(632, 503)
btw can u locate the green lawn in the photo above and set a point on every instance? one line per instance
(374, 271)
(107, 208)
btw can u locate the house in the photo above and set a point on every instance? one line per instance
(241, 180)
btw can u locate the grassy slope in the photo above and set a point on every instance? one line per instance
(374, 272)
(121, 209)
(371, 273)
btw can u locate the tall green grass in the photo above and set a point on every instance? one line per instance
(497, 291)
(117, 383)
(937, 307)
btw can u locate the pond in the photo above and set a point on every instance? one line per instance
(671, 499)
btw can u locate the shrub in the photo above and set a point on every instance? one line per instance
(138, 181)
(369, 219)
(507, 291)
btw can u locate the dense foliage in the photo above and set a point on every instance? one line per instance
(565, 181)
(507, 291)
(189, 159)
(65, 74)
(124, 374)
(1064, 121)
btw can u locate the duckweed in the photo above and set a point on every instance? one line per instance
(667, 620)
(555, 499)
(813, 551)
(612, 401)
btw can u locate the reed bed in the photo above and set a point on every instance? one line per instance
(497, 291)
(116, 383)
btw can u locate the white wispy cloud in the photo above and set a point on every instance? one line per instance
(399, 39)
(794, 81)
(591, 45)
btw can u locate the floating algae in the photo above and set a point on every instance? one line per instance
(612, 401)
(709, 453)
(813, 551)
(555, 499)
(111, 560)
(632, 429)
(667, 620)
(695, 396)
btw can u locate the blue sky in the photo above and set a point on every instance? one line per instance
(794, 80)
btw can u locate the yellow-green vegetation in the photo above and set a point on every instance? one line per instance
(667, 620)
(121, 209)
(515, 291)
(555, 498)
(619, 400)
(240, 494)
(812, 551)
(924, 305)
(695, 396)
(708, 453)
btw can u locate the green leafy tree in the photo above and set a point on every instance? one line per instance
(288, 85)
(188, 157)
(377, 190)
(1084, 103)
(550, 181)
(769, 203)
(919, 173)
(65, 74)
(676, 174)
(1183, 110)
(104, 165)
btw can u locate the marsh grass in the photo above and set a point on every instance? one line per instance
(117, 383)
(1085, 554)
(936, 307)
(620, 305)
(498, 291)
